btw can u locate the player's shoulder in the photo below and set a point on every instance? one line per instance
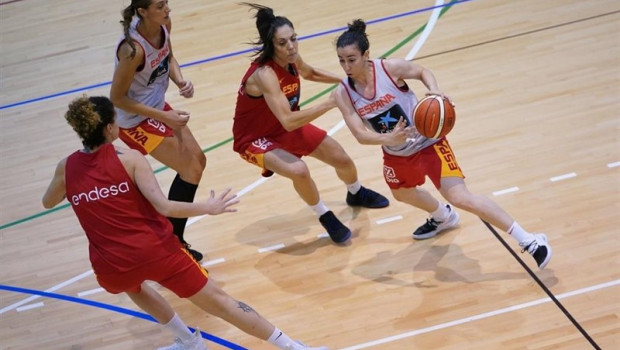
(264, 70)
(264, 74)
(61, 164)
(126, 152)
(125, 50)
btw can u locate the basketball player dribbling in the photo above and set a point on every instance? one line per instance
(144, 66)
(377, 105)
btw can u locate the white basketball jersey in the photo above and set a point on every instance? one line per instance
(149, 85)
(382, 112)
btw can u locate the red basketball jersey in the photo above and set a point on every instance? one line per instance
(123, 229)
(253, 117)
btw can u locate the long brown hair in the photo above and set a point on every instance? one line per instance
(128, 13)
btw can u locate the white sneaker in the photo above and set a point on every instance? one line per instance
(196, 343)
(301, 346)
(433, 227)
(539, 248)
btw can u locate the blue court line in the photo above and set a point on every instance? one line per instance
(312, 98)
(231, 54)
(120, 310)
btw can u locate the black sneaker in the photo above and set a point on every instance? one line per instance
(539, 248)
(338, 232)
(367, 198)
(195, 254)
(433, 227)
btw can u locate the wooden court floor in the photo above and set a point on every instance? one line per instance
(537, 91)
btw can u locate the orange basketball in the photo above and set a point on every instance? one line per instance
(434, 116)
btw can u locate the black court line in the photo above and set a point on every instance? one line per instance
(491, 228)
(9, 2)
(520, 34)
(544, 288)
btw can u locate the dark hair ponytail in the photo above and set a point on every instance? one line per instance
(266, 23)
(355, 35)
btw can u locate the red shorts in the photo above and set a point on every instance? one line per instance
(299, 142)
(178, 272)
(435, 161)
(147, 135)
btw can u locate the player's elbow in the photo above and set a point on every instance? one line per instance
(116, 99)
(289, 126)
(49, 203)
(163, 209)
(288, 123)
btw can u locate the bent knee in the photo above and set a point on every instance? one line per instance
(201, 161)
(193, 167)
(342, 161)
(299, 171)
(462, 202)
(399, 195)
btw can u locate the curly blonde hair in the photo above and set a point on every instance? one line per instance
(88, 116)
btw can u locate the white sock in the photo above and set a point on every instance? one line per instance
(281, 340)
(319, 208)
(441, 213)
(178, 328)
(518, 233)
(354, 187)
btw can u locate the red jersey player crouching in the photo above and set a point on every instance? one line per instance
(271, 132)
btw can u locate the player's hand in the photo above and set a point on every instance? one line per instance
(176, 119)
(186, 88)
(439, 93)
(221, 204)
(400, 133)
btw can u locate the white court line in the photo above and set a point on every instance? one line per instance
(563, 177)
(28, 307)
(613, 165)
(271, 248)
(336, 128)
(427, 31)
(54, 288)
(323, 235)
(213, 262)
(240, 194)
(191, 221)
(386, 220)
(480, 316)
(90, 292)
(508, 190)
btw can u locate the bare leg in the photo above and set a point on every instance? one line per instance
(418, 197)
(330, 152)
(216, 302)
(183, 154)
(285, 164)
(454, 190)
(153, 303)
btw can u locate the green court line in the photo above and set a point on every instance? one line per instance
(222, 143)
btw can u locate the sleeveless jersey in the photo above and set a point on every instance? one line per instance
(382, 112)
(124, 231)
(253, 117)
(150, 83)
